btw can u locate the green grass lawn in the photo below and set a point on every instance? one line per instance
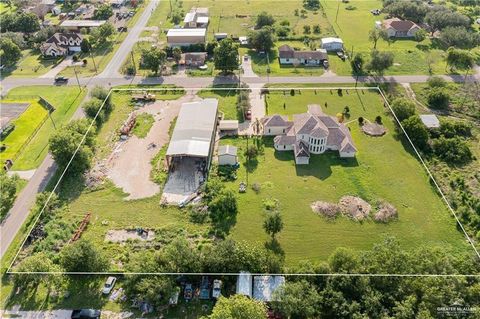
(384, 168)
(25, 126)
(65, 99)
(143, 124)
(353, 27)
(31, 64)
(227, 101)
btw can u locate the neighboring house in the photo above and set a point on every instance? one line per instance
(77, 25)
(332, 44)
(397, 28)
(430, 120)
(193, 58)
(287, 55)
(196, 18)
(228, 127)
(244, 284)
(61, 44)
(264, 287)
(312, 132)
(186, 37)
(220, 36)
(227, 155)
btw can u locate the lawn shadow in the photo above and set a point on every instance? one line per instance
(225, 223)
(274, 246)
(320, 165)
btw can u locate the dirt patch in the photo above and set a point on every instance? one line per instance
(374, 129)
(123, 235)
(385, 213)
(326, 209)
(355, 207)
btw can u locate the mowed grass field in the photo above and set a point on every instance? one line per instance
(65, 99)
(227, 101)
(384, 168)
(25, 126)
(353, 27)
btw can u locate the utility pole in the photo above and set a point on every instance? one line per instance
(133, 61)
(338, 9)
(94, 64)
(268, 66)
(76, 75)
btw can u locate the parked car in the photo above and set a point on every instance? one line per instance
(188, 292)
(205, 288)
(248, 115)
(107, 288)
(61, 80)
(86, 314)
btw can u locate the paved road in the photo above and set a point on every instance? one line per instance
(126, 47)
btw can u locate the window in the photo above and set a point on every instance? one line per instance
(287, 60)
(284, 146)
(269, 131)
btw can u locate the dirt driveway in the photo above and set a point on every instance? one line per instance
(129, 167)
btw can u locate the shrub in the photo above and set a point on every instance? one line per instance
(416, 131)
(438, 98)
(316, 29)
(360, 120)
(436, 82)
(251, 152)
(75, 58)
(306, 29)
(270, 204)
(256, 187)
(452, 150)
(378, 119)
(453, 128)
(403, 108)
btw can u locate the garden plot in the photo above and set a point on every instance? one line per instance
(123, 235)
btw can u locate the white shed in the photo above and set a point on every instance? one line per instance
(227, 155)
(244, 284)
(430, 120)
(332, 44)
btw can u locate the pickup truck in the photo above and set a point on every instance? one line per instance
(61, 80)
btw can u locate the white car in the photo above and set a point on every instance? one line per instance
(107, 288)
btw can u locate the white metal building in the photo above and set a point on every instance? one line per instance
(186, 37)
(332, 44)
(227, 155)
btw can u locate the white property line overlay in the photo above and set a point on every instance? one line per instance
(181, 89)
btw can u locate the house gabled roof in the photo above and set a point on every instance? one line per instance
(284, 139)
(287, 52)
(306, 123)
(227, 150)
(275, 120)
(301, 149)
(347, 146)
(63, 37)
(399, 25)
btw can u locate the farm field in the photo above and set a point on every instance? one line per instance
(65, 99)
(25, 126)
(397, 178)
(410, 57)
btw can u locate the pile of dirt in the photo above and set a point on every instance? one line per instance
(96, 175)
(355, 207)
(374, 129)
(325, 208)
(385, 212)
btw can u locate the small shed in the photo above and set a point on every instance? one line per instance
(243, 40)
(430, 120)
(227, 155)
(220, 36)
(244, 284)
(228, 127)
(265, 286)
(332, 44)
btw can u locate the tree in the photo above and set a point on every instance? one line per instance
(264, 19)
(26, 22)
(438, 98)
(91, 107)
(16, 37)
(376, 34)
(238, 307)
(311, 4)
(85, 45)
(64, 142)
(10, 53)
(263, 39)
(407, 10)
(357, 63)
(226, 56)
(103, 12)
(177, 54)
(380, 61)
(102, 33)
(436, 82)
(296, 300)
(224, 204)
(180, 256)
(273, 224)
(420, 35)
(39, 263)
(83, 256)
(452, 150)
(8, 192)
(460, 59)
(459, 37)
(153, 59)
(403, 108)
(417, 131)
(306, 29)
(439, 17)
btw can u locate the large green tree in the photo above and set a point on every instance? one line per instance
(238, 307)
(34, 270)
(226, 56)
(416, 130)
(296, 300)
(64, 142)
(153, 59)
(83, 256)
(273, 224)
(103, 12)
(403, 108)
(263, 39)
(380, 61)
(460, 59)
(264, 19)
(10, 53)
(8, 190)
